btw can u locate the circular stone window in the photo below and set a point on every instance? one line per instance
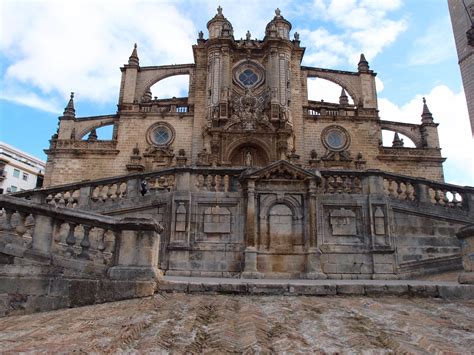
(335, 138)
(248, 78)
(160, 134)
(248, 74)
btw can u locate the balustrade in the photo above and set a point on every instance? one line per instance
(68, 198)
(49, 232)
(109, 192)
(446, 197)
(399, 189)
(341, 183)
(215, 182)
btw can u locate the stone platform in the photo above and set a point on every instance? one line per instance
(412, 288)
(181, 323)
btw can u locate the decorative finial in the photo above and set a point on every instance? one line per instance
(296, 36)
(397, 142)
(69, 110)
(133, 59)
(343, 99)
(72, 95)
(92, 136)
(426, 116)
(219, 10)
(363, 64)
(277, 12)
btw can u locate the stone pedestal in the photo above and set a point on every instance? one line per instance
(250, 266)
(466, 237)
(313, 265)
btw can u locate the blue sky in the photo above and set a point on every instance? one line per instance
(49, 48)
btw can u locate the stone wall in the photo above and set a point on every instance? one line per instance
(297, 222)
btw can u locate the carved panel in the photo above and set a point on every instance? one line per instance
(343, 222)
(217, 220)
(180, 218)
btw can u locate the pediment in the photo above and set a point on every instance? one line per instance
(281, 170)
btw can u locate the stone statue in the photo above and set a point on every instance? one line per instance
(201, 35)
(277, 12)
(248, 35)
(248, 159)
(219, 10)
(297, 36)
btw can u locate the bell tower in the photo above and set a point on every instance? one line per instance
(249, 121)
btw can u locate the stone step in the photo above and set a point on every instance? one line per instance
(410, 288)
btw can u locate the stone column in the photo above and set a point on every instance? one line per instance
(250, 266)
(313, 257)
(466, 237)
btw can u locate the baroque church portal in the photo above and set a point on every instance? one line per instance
(248, 177)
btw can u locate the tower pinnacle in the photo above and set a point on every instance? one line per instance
(69, 109)
(133, 59)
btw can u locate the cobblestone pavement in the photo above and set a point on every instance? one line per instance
(228, 323)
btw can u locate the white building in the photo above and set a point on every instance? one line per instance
(18, 170)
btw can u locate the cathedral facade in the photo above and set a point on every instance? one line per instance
(247, 106)
(249, 177)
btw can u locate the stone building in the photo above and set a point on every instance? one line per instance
(247, 106)
(248, 177)
(462, 19)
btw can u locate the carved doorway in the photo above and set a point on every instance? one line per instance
(248, 155)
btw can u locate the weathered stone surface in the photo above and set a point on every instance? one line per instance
(184, 323)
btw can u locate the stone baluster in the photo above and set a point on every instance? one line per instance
(101, 239)
(71, 239)
(437, 196)
(57, 230)
(122, 189)
(226, 183)
(21, 227)
(85, 243)
(7, 223)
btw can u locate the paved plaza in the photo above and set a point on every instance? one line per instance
(193, 323)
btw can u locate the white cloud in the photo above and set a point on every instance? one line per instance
(58, 47)
(32, 100)
(435, 45)
(454, 130)
(363, 27)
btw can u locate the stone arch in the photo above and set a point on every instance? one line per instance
(94, 125)
(346, 81)
(150, 76)
(281, 224)
(292, 203)
(410, 130)
(254, 144)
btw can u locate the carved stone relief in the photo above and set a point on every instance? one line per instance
(180, 218)
(217, 220)
(343, 222)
